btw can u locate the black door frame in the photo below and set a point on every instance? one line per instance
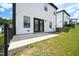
(38, 24)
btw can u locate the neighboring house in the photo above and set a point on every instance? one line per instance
(62, 19)
(73, 20)
(34, 17)
(0, 28)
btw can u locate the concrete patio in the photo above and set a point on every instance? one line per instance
(23, 40)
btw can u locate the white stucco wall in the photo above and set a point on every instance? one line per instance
(34, 10)
(60, 20)
(62, 17)
(66, 18)
(74, 21)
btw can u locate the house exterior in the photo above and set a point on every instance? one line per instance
(0, 29)
(62, 19)
(73, 20)
(34, 17)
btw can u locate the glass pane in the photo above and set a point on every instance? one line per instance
(46, 7)
(50, 24)
(36, 25)
(41, 25)
(26, 22)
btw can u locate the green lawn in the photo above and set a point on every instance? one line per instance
(0, 33)
(1, 41)
(66, 44)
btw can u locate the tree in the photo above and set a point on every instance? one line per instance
(4, 21)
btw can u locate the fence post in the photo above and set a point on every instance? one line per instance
(5, 40)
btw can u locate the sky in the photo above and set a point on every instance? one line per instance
(71, 8)
(6, 10)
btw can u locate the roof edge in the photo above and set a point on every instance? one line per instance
(63, 11)
(53, 5)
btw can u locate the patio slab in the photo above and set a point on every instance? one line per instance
(23, 40)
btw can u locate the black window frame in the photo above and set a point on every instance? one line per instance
(46, 7)
(26, 24)
(50, 24)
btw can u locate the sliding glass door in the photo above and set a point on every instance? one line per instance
(38, 25)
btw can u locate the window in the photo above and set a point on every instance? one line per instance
(65, 24)
(54, 13)
(50, 24)
(26, 22)
(45, 7)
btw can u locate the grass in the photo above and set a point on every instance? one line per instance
(1, 41)
(0, 33)
(66, 44)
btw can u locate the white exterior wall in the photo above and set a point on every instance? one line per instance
(66, 18)
(62, 17)
(34, 10)
(74, 21)
(59, 20)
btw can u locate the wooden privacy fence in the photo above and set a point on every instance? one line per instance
(8, 34)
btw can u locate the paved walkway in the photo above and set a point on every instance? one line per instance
(23, 40)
